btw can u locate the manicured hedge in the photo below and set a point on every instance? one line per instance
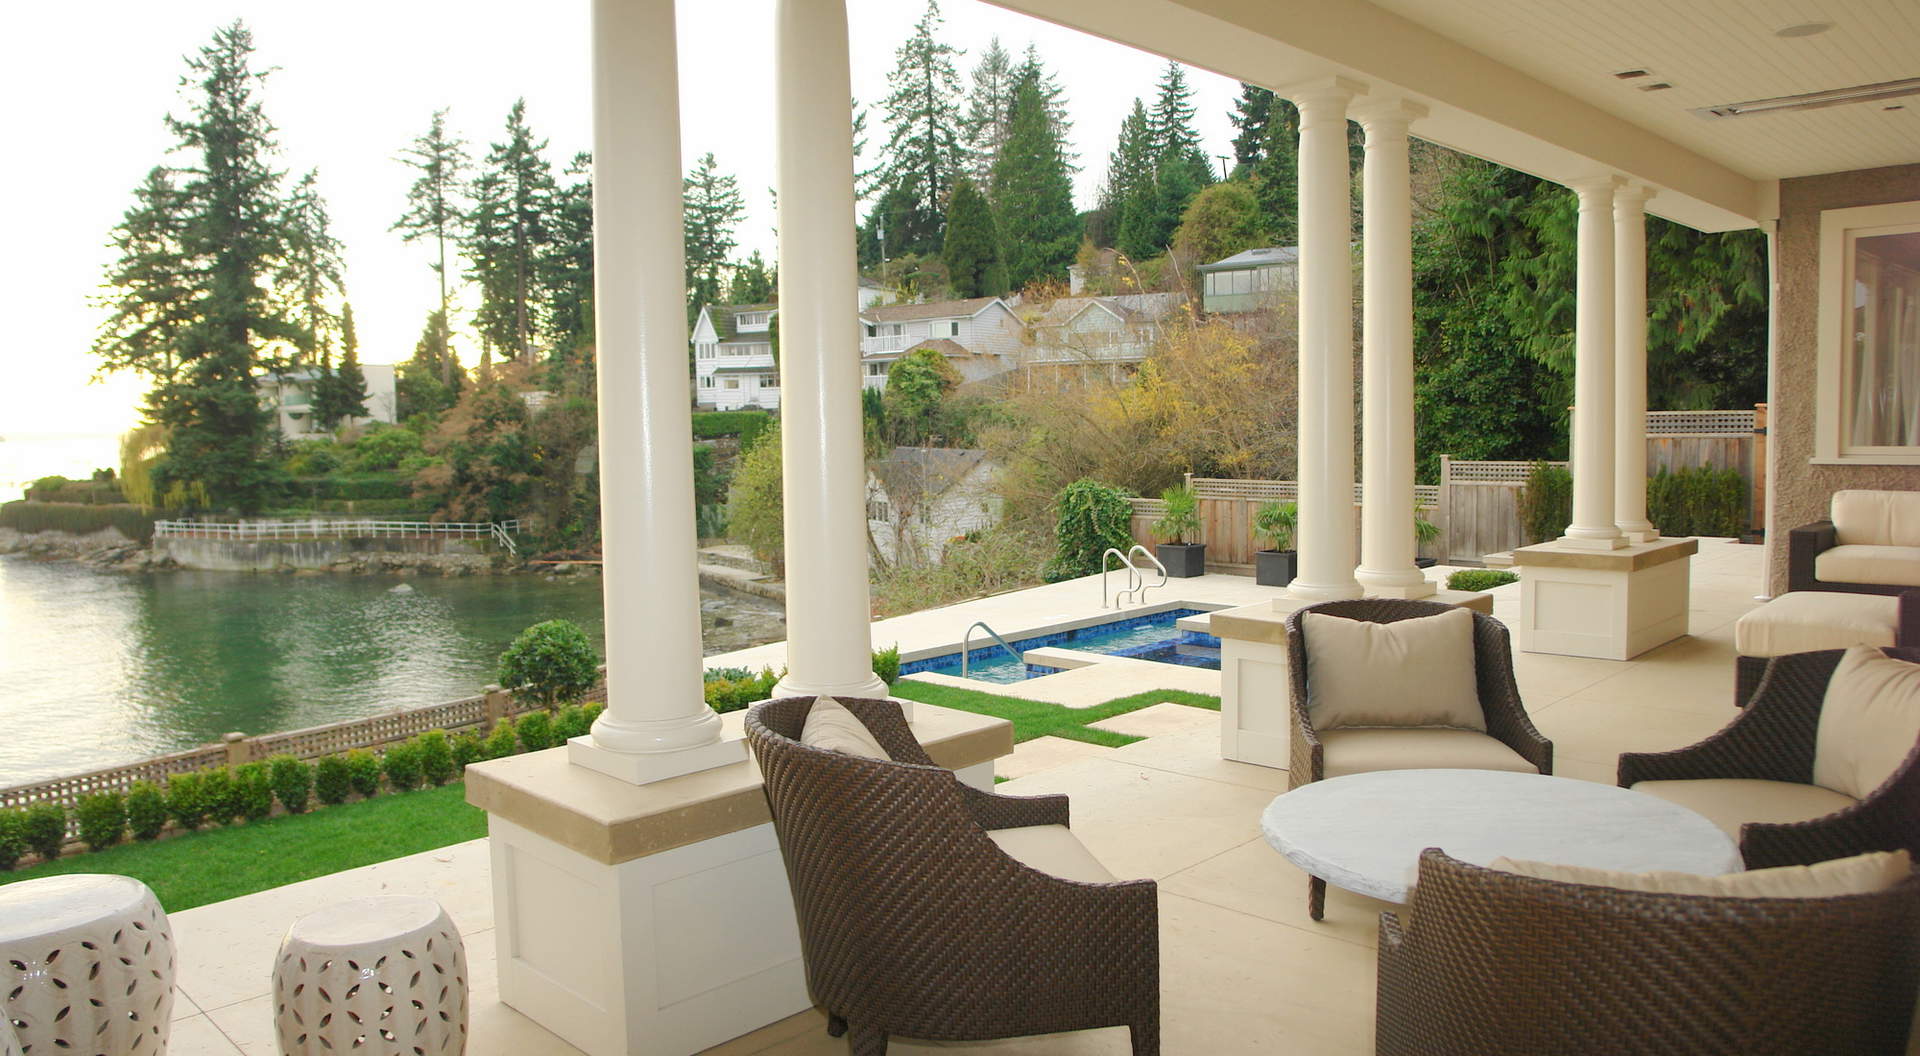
(78, 518)
(747, 425)
(1545, 505)
(1698, 501)
(1480, 579)
(85, 492)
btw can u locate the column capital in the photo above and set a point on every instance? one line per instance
(1331, 90)
(1595, 187)
(1387, 113)
(1631, 193)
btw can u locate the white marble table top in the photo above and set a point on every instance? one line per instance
(1364, 833)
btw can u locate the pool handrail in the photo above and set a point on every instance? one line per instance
(1139, 587)
(1133, 576)
(968, 637)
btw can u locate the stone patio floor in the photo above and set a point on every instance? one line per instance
(1243, 969)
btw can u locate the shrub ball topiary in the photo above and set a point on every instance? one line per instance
(146, 810)
(402, 765)
(44, 828)
(468, 748)
(363, 768)
(535, 731)
(187, 800)
(13, 842)
(332, 779)
(502, 742)
(436, 757)
(292, 782)
(550, 664)
(1480, 579)
(253, 791)
(102, 817)
(222, 795)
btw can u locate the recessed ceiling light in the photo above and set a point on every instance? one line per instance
(1896, 106)
(1628, 75)
(1804, 29)
(1657, 86)
(1864, 93)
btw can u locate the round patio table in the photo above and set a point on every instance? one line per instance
(1364, 832)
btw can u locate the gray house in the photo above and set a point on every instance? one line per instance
(1245, 281)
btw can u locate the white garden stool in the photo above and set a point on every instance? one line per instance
(374, 976)
(86, 966)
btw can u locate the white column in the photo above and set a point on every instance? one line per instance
(1630, 363)
(829, 649)
(1387, 547)
(1593, 422)
(657, 723)
(1326, 344)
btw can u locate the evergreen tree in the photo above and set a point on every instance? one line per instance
(972, 247)
(567, 265)
(1129, 193)
(753, 282)
(311, 274)
(989, 105)
(925, 148)
(1276, 173)
(436, 201)
(339, 395)
(1250, 115)
(712, 207)
(1037, 222)
(419, 385)
(1180, 165)
(508, 231)
(1052, 97)
(201, 260)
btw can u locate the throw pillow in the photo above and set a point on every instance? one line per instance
(1869, 721)
(831, 726)
(1417, 672)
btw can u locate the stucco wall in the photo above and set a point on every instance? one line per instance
(1800, 489)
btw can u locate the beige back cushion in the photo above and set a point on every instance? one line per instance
(1869, 721)
(1876, 518)
(1860, 875)
(831, 726)
(1410, 673)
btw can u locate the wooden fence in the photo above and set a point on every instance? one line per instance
(1227, 510)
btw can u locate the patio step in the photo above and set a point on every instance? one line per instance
(1502, 559)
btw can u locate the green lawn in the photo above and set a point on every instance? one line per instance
(1033, 718)
(221, 863)
(217, 864)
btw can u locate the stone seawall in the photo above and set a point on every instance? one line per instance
(440, 555)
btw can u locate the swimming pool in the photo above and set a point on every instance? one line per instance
(1152, 636)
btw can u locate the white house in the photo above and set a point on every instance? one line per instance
(733, 357)
(981, 337)
(290, 395)
(1245, 281)
(1077, 331)
(870, 292)
(919, 498)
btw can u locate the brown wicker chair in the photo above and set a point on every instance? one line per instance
(1772, 739)
(913, 922)
(1507, 719)
(1490, 963)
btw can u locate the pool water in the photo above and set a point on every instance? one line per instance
(1150, 637)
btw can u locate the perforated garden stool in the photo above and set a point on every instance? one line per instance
(375, 977)
(86, 966)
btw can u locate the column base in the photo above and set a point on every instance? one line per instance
(1312, 592)
(1575, 601)
(1582, 542)
(1637, 534)
(1403, 583)
(875, 688)
(644, 768)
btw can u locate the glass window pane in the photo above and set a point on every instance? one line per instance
(1883, 369)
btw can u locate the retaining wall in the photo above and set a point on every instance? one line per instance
(228, 555)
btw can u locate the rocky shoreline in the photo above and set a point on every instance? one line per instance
(109, 550)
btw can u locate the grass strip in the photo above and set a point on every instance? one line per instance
(1037, 718)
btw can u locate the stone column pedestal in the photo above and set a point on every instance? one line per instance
(1606, 604)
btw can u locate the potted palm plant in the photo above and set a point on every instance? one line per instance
(1274, 522)
(1424, 532)
(1180, 522)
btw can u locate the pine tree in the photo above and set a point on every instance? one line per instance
(566, 267)
(436, 206)
(1052, 97)
(1180, 166)
(202, 255)
(972, 247)
(418, 385)
(339, 395)
(712, 209)
(1250, 115)
(989, 105)
(507, 232)
(312, 271)
(1129, 194)
(753, 281)
(1037, 222)
(1277, 173)
(924, 145)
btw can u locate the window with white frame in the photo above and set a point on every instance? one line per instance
(877, 370)
(769, 381)
(706, 382)
(1869, 367)
(733, 383)
(752, 320)
(706, 350)
(944, 328)
(747, 350)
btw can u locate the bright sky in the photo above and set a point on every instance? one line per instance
(357, 80)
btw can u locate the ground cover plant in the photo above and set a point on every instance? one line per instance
(1480, 579)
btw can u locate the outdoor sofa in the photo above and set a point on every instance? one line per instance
(1870, 544)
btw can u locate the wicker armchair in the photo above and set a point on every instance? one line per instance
(1772, 739)
(913, 922)
(1507, 720)
(1490, 963)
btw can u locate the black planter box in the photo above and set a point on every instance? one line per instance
(1274, 568)
(1425, 562)
(1183, 560)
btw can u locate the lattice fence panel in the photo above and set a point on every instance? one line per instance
(1702, 423)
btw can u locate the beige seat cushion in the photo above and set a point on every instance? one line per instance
(1861, 563)
(1416, 672)
(1361, 751)
(1869, 722)
(1807, 620)
(1731, 802)
(1054, 850)
(1876, 518)
(831, 726)
(1862, 874)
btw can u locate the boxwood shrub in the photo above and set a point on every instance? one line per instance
(102, 817)
(363, 771)
(1700, 500)
(502, 742)
(43, 826)
(402, 765)
(13, 842)
(570, 722)
(253, 791)
(223, 803)
(146, 810)
(292, 782)
(1480, 579)
(187, 800)
(535, 730)
(436, 757)
(332, 779)
(467, 748)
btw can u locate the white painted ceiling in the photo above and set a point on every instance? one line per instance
(1712, 52)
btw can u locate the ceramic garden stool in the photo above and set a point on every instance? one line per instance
(86, 966)
(374, 976)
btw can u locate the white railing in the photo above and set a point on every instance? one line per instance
(883, 343)
(255, 531)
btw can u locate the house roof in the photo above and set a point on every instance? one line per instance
(1127, 307)
(906, 313)
(741, 369)
(1254, 258)
(722, 316)
(925, 471)
(943, 345)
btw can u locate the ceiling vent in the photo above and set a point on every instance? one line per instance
(1815, 100)
(1628, 75)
